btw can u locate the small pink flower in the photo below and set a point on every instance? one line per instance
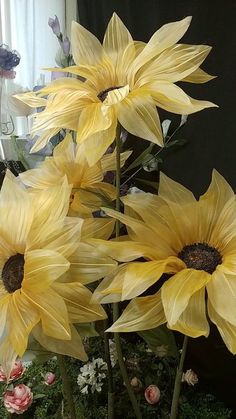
(190, 377)
(152, 394)
(16, 372)
(49, 378)
(18, 400)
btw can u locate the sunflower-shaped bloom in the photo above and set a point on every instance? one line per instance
(193, 241)
(44, 267)
(125, 81)
(89, 192)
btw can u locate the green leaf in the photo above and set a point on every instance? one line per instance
(86, 330)
(151, 183)
(39, 396)
(161, 341)
(36, 351)
(138, 162)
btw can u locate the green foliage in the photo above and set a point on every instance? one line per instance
(160, 340)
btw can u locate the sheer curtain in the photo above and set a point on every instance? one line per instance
(24, 27)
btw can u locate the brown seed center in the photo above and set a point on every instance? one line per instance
(201, 256)
(13, 273)
(103, 94)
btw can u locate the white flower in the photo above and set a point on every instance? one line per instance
(91, 377)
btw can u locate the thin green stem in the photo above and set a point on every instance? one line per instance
(66, 385)
(178, 380)
(111, 394)
(123, 370)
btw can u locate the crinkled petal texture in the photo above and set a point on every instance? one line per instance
(192, 241)
(45, 262)
(124, 80)
(89, 192)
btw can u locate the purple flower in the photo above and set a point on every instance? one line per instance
(55, 25)
(65, 45)
(8, 59)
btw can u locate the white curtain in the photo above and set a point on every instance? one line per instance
(24, 27)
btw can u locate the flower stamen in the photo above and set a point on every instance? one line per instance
(201, 256)
(103, 94)
(13, 273)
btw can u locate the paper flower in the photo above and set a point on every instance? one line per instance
(195, 242)
(16, 372)
(18, 400)
(49, 378)
(89, 192)
(152, 394)
(190, 377)
(43, 268)
(125, 82)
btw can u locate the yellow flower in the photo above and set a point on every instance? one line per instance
(44, 267)
(89, 191)
(125, 81)
(195, 242)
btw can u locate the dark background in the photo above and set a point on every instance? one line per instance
(211, 133)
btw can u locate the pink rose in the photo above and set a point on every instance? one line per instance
(16, 372)
(49, 378)
(18, 400)
(152, 394)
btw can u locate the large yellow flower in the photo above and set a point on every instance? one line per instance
(124, 82)
(195, 242)
(44, 267)
(89, 192)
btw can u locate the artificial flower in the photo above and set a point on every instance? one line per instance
(124, 82)
(190, 377)
(89, 192)
(49, 378)
(16, 372)
(192, 240)
(44, 266)
(152, 394)
(18, 400)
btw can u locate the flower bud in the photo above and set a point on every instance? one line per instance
(136, 384)
(49, 378)
(55, 25)
(190, 377)
(152, 394)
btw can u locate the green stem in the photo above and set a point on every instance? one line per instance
(178, 380)
(111, 394)
(123, 370)
(66, 385)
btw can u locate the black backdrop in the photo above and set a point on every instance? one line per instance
(211, 133)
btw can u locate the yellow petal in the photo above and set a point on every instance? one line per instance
(7, 356)
(53, 313)
(89, 264)
(115, 96)
(222, 294)
(15, 200)
(108, 161)
(139, 276)
(198, 76)
(173, 64)
(177, 291)
(100, 228)
(86, 48)
(163, 38)
(172, 98)
(97, 144)
(193, 321)
(31, 99)
(68, 83)
(78, 302)
(44, 139)
(116, 38)
(226, 329)
(125, 251)
(23, 317)
(139, 117)
(73, 347)
(142, 313)
(174, 192)
(42, 267)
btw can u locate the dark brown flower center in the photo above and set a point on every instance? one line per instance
(13, 273)
(103, 94)
(201, 256)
